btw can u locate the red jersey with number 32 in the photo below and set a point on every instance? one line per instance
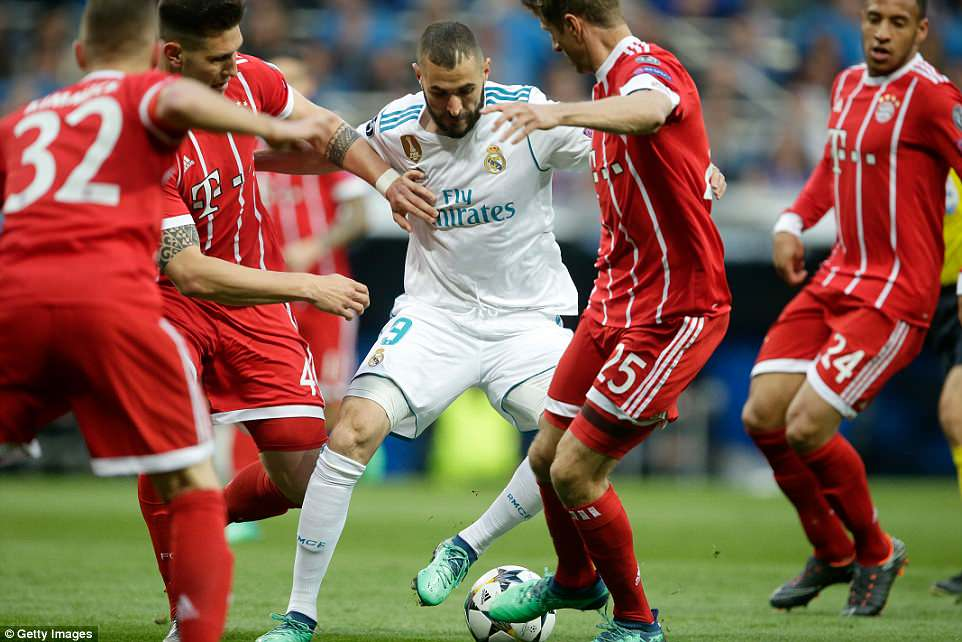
(660, 255)
(82, 173)
(891, 142)
(214, 185)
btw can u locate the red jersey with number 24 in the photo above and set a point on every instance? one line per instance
(214, 185)
(660, 255)
(82, 173)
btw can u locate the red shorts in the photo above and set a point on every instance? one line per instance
(847, 348)
(125, 373)
(253, 366)
(631, 376)
(333, 342)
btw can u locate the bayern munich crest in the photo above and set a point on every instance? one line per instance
(495, 161)
(887, 106)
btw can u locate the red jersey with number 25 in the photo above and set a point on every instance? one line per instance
(660, 256)
(214, 180)
(891, 142)
(82, 173)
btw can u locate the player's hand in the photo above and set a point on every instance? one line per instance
(338, 295)
(522, 119)
(718, 183)
(302, 254)
(408, 196)
(788, 254)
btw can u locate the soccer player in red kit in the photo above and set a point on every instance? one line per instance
(895, 129)
(81, 185)
(254, 366)
(659, 308)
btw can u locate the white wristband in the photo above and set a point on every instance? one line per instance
(789, 222)
(387, 179)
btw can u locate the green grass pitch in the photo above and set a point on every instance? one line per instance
(74, 551)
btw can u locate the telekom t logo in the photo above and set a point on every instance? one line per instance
(211, 186)
(837, 138)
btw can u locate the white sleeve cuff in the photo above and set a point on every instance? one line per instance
(176, 221)
(289, 106)
(958, 286)
(789, 222)
(649, 82)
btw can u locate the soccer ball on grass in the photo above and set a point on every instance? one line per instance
(489, 586)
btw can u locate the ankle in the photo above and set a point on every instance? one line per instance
(303, 619)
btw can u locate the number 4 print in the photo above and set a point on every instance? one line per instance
(845, 363)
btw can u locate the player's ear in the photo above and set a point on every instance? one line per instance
(922, 33)
(79, 54)
(173, 53)
(571, 23)
(417, 70)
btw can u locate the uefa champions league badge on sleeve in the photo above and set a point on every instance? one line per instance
(495, 161)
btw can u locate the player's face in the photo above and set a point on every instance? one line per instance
(564, 40)
(454, 96)
(891, 34)
(213, 61)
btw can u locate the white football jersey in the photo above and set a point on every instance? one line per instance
(492, 244)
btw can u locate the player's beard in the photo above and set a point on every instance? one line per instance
(464, 123)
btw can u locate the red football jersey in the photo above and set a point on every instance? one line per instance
(215, 181)
(891, 142)
(304, 207)
(660, 255)
(83, 172)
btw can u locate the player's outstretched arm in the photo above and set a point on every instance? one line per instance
(351, 224)
(344, 148)
(206, 277)
(187, 104)
(638, 114)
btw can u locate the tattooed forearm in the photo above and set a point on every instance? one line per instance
(174, 240)
(341, 141)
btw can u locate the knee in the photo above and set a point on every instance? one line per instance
(950, 417)
(803, 431)
(540, 459)
(569, 479)
(359, 431)
(760, 415)
(200, 476)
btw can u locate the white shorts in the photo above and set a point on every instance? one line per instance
(433, 356)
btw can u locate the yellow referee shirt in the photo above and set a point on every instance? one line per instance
(953, 230)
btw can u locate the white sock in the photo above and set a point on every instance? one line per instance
(519, 501)
(320, 525)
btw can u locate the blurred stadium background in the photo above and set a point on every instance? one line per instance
(764, 68)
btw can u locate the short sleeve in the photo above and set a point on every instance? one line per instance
(369, 130)
(943, 122)
(649, 72)
(561, 147)
(276, 97)
(175, 212)
(150, 87)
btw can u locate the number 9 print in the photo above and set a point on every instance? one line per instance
(397, 331)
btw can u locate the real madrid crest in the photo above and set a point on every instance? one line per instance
(376, 358)
(495, 162)
(887, 106)
(412, 148)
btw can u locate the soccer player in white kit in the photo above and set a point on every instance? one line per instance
(484, 288)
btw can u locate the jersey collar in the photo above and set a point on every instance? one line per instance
(876, 81)
(104, 73)
(602, 73)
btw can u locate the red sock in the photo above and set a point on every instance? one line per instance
(822, 526)
(841, 474)
(157, 515)
(606, 532)
(202, 564)
(575, 569)
(251, 496)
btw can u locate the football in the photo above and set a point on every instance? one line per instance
(489, 586)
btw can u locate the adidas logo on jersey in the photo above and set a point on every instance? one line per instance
(188, 163)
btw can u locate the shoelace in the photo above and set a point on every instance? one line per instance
(456, 563)
(289, 623)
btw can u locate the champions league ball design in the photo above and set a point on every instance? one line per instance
(489, 586)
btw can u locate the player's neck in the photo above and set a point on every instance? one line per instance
(124, 65)
(604, 42)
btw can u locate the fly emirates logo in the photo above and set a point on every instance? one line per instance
(460, 210)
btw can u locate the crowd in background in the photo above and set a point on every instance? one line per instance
(764, 67)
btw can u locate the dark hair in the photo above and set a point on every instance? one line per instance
(448, 43)
(923, 8)
(604, 13)
(193, 20)
(111, 28)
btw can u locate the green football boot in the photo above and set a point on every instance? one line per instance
(534, 598)
(448, 568)
(612, 631)
(289, 630)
